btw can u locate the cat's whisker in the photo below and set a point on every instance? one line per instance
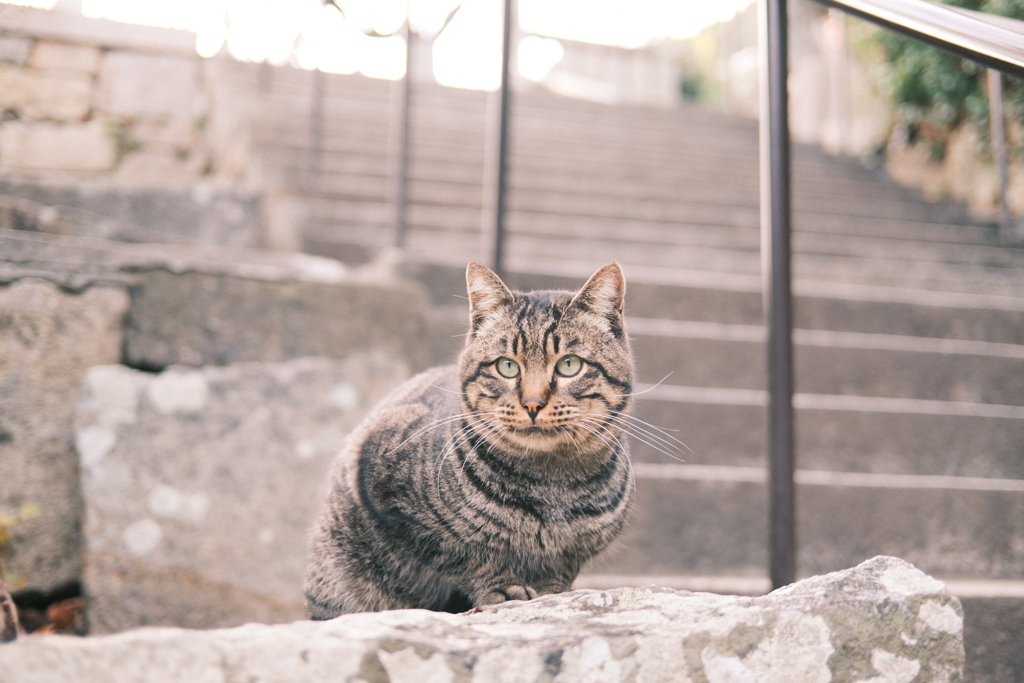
(662, 430)
(568, 433)
(434, 425)
(638, 429)
(635, 429)
(440, 388)
(631, 430)
(597, 432)
(637, 393)
(621, 449)
(466, 429)
(653, 444)
(459, 437)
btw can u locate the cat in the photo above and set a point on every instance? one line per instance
(492, 480)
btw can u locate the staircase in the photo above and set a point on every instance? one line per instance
(909, 342)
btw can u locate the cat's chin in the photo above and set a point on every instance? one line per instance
(538, 442)
(536, 437)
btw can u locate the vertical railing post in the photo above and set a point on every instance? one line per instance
(403, 110)
(497, 155)
(316, 125)
(998, 126)
(775, 265)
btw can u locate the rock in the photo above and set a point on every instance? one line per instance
(67, 303)
(209, 319)
(53, 94)
(210, 306)
(48, 54)
(133, 84)
(45, 146)
(15, 49)
(880, 622)
(48, 339)
(201, 214)
(200, 485)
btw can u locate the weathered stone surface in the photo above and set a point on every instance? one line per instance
(45, 146)
(881, 622)
(206, 319)
(200, 485)
(143, 85)
(48, 54)
(217, 306)
(44, 93)
(48, 338)
(15, 49)
(200, 214)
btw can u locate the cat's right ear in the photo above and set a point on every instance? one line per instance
(487, 294)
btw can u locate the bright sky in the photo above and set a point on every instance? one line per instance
(466, 55)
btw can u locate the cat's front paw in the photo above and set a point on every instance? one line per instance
(506, 593)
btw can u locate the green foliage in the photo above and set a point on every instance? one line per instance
(935, 92)
(692, 88)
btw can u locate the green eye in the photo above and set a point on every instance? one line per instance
(507, 367)
(568, 366)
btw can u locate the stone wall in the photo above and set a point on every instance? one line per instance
(119, 131)
(68, 304)
(200, 485)
(95, 97)
(881, 622)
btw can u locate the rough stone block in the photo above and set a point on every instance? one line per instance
(48, 54)
(44, 93)
(141, 85)
(48, 338)
(201, 214)
(200, 485)
(194, 318)
(881, 622)
(44, 146)
(15, 49)
(214, 306)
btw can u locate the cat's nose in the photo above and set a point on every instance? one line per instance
(533, 406)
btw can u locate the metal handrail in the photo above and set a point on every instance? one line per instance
(996, 42)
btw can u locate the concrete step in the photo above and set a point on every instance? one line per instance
(723, 427)
(663, 164)
(718, 527)
(720, 358)
(879, 432)
(696, 201)
(679, 294)
(352, 218)
(899, 269)
(738, 229)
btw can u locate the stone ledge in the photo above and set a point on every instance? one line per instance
(206, 305)
(880, 622)
(72, 28)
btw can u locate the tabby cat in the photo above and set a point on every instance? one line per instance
(493, 480)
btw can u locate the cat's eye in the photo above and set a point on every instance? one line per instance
(568, 366)
(507, 367)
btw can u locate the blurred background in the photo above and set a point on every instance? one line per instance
(208, 274)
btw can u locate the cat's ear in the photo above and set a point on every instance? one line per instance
(604, 293)
(487, 294)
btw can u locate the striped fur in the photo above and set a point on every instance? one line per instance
(466, 487)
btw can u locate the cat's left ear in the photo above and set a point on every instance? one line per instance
(487, 294)
(603, 294)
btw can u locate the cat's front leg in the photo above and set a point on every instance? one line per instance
(499, 594)
(507, 587)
